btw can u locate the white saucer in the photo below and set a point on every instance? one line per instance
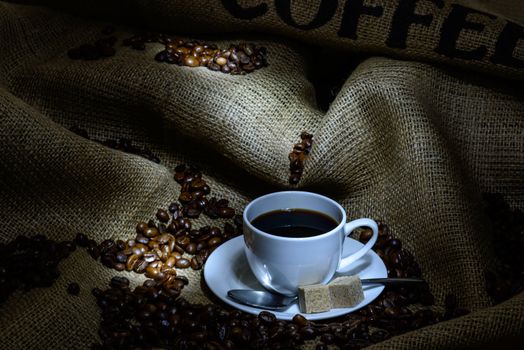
(227, 268)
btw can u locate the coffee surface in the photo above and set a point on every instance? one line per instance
(294, 223)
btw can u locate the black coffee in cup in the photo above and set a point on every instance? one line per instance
(294, 223)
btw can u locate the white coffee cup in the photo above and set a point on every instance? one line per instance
(282, 264)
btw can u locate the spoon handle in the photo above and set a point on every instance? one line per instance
(393, 281)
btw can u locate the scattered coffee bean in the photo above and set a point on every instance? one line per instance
(73, 288)
(31, 262)
(123, 145)
(297, 157)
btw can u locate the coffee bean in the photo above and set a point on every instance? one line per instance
(300, 320)
(191, 61)
(119, 282)
(221, 61)
(73, 288)
(131, 262)
(81, 240)
(182, 263)
(191, 248)
(197, 262)
(226, 212)
(298, 156)
(141, 227)
(151, 272)
(162, 215)
(151, 232)
(107, 246)
(140, 265)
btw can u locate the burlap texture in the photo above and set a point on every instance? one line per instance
(407, 143)
(465, 33)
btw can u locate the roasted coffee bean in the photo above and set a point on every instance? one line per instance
(183, 241)
(81, 240)
(150, 232)
(151, 272)
(140, 265)
(150, 257)
(193, 213)
(298, 156)
(141, 227)
(183, 279)
(197, 262)
(226, 212)
(108, 260)
(191, 248)
(131, 262)
(300, 320)
(141, 239)
(162, 215)
(73, 288)
(182, 263)
(365, 235)
(214, 241)
(119, 282)
(107, 246)
(191, 61)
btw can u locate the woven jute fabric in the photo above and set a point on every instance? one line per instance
(481, 35)
(407, 142)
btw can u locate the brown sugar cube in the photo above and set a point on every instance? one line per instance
(345, 291)
(314, 298)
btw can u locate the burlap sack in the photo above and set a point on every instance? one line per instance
(460, 33)
(405, 142)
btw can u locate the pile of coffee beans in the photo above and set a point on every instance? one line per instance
(151, 316)
(193, 195)
(30, 262)
(297, 157)
(102, 48)
(121, 144)
(154, 314)
(159, 250)
(160, 247)
(506, 278)
(237, 59)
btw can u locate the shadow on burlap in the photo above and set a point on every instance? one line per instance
(407, 143)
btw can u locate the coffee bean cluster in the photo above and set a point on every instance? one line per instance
(171, 242)
(193, 195)
(121, 144)
(30, 262)
(102, 48)
(152, 316)
(506, 278)
(399, 262)
(159, 250)
(297, 157)
(237, 59)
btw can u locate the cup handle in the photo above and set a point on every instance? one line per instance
(345, 262)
